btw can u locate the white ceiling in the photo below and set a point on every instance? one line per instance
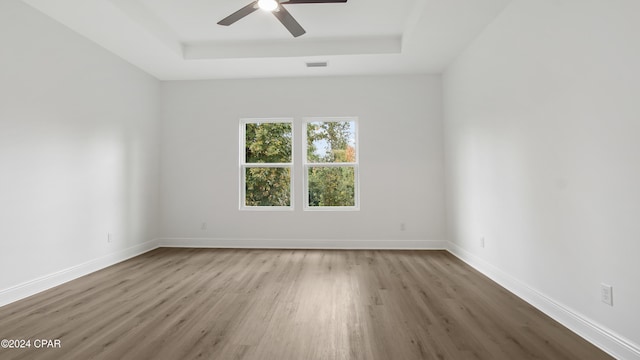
(180, 40)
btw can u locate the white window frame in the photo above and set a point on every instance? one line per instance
(306, 165)
(244, 165)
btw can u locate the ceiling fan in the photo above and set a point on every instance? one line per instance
(276, 7)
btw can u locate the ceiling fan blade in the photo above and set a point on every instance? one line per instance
(288, 21)
(313, 1)
(239, 14)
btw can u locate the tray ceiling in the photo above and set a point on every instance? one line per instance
(179, 40)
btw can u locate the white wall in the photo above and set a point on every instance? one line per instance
(401, 174)
(78, 149)
(543, 153)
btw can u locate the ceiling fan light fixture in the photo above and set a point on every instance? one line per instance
(268, 5)
(277, 8)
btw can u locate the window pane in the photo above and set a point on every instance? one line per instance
(331, 186)
(268, 143)
(268, 187)
(331, 141)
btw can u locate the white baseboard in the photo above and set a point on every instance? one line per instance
(304, 244)
(46, 282)
(607, 340)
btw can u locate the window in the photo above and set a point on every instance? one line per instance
(266, 160)
(330, 164)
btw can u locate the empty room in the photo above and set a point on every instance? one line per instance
(320, 179)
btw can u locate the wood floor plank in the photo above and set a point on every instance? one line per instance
(287, 304)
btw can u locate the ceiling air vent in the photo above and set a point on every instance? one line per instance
(317, 64)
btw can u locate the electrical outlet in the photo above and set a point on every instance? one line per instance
(109, 238)
(606, 294)
(403, 227)
(482, 243)
(203, 226)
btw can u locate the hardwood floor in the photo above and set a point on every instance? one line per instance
(287, 304)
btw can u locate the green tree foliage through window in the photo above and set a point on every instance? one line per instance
(268, 143)
(330, 164)
(268, 187)
(331, 142)
(331, 186)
